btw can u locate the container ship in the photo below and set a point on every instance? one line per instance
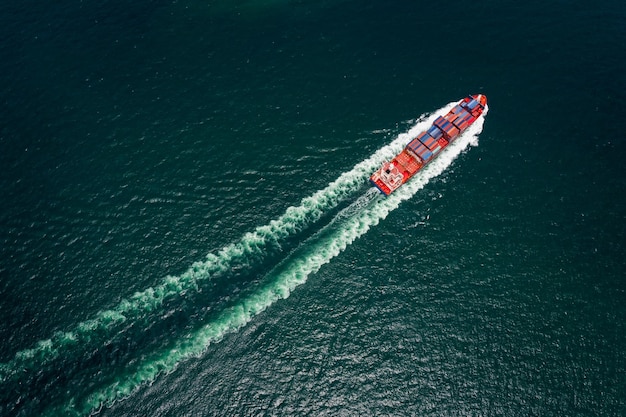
(428, 144)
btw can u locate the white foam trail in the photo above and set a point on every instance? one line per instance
(252, 244)
(232, 319)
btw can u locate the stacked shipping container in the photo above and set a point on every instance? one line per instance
(460, 117)
(420, 150)
(428, 144)
(434, 132)
(427, 140)
(449, 129)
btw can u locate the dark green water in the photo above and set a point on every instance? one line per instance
(136, 138)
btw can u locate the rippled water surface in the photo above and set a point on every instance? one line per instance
(186, 226)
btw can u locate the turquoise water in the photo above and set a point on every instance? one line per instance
(187, 227)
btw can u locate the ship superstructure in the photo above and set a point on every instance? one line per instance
(428, 144)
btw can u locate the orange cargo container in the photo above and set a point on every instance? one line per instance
(427, 145)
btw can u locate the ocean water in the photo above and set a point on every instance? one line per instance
(186, 227)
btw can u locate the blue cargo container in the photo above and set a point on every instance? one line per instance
(438, 121)
(426, 155)
(435, 132)
(420, 150)
(457, 109)
(426, 139)
(414, 145)
(430, 143)
(423, 136)
(463, 113)
(462, 126)
(448, 128)
(427, 145)
(462, 121)
(443, 124)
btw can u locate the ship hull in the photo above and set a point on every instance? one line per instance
(426, 146)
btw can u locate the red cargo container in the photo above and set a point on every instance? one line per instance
(413, 145)
(427, 144)
(448, 128)
(424, 153)
(407, 160)
(457, 109)
(462, 121)
(439, 122)
(426, 139)
(451, 117)
(423, 137)
(452, 131)
(462, 126)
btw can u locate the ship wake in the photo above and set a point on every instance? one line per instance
(252, 247)
(363, 210)
(348, 225)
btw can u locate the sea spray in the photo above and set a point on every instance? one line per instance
(346, 228)
(251, 246)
